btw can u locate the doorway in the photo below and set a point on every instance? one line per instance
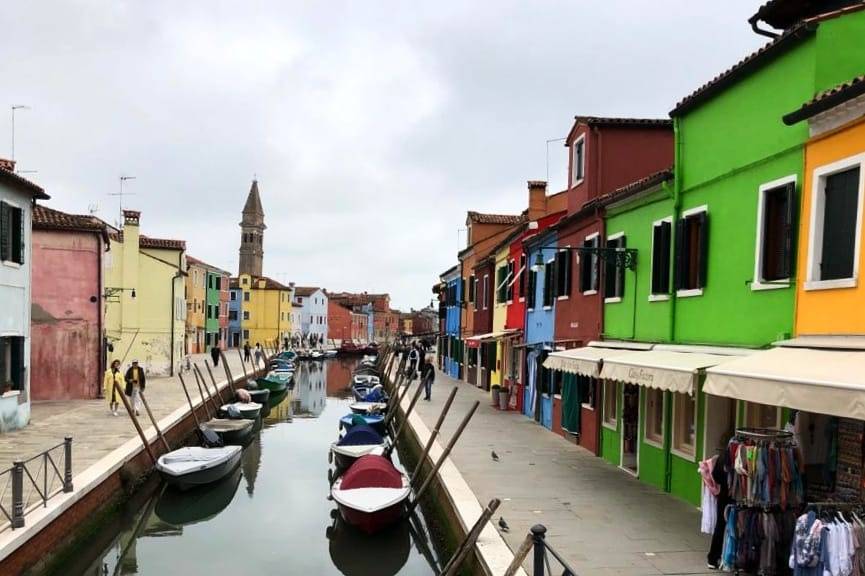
(630, 427)
(720, 423)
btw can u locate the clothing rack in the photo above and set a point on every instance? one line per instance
(763, 434)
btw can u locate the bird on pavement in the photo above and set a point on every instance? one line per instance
(504, 525)
(494, 456)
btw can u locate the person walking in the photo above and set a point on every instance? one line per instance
(714, 473)
(246, 355)
(258, 353)
(135, 382)
(413, 360)
(113, 381)
(427, 375)
(214, 355)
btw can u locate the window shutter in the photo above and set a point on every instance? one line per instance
(18, 247)
(567, 274)
(787, 262)
(620, 271)
(5, 231)
(585, 272)
(610, 272)
(550, 272)
(666, 233)
(703, 219)
(680, 256)
(657, 250)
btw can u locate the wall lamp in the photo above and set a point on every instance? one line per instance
(113, 293)
(618, 257)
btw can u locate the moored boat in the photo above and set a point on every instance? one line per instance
(374, 421)
(359, 441)
(259, 395)
(247, 410)
(275, 382)
(193, 466)
(371, 493)
(364, 407)
(232, 432)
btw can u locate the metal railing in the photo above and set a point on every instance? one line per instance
(29, 483)
(536, 541)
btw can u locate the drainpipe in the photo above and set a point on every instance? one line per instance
(100, 320)
(174, 278)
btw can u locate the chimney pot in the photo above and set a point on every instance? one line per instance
(7, 164)
(131, 217)
(537, 200)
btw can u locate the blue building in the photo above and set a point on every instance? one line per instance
(453, 344)
(235, 336)
(540, 326)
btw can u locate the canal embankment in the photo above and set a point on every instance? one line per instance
(109, 462)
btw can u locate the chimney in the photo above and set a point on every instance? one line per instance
(130, 274)
(7, 164)
(537, 200)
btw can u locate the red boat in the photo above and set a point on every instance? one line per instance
(371, 493)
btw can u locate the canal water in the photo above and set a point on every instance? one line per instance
(272, 516)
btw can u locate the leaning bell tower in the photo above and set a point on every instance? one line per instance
(252, 234)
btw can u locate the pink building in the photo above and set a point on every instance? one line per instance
(67, 356)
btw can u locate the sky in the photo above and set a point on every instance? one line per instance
(371, 126)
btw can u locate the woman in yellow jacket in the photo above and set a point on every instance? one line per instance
(113, 375)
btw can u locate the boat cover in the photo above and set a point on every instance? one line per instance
(360, 435)
(376, 394)
(194, 458)
(371, 471)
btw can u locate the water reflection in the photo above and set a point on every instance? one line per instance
(284, 525)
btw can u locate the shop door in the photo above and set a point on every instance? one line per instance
(720, 417)
(630, 427)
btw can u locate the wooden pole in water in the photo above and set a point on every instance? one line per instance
(153, 421)
(212, 379)
(520, 555)
(210, 397)
(434, 434)
(188, 399)
(228, 372)
(242, 364)
(451, 567)
(444, 455)
(394, 408)
(399, 430)
(138, 429)
(200, 393)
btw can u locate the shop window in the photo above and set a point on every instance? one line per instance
(563, 273)
(523, 275)
(611, 397)
(654, 432)
(662, 235)
(11, 233)
(589, 266)
(692, 250)
(549, 283)
(684, 425)
(587, 387)
(614, 276)
(11, 363)
(762, 415)
(834, 224)
(775, 233)
(578, 160)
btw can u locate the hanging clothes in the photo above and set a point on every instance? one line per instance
(709, 498)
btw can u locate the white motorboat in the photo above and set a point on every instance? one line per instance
(196, 466)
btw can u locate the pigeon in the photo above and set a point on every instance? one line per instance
(494, 456)
(504, 525)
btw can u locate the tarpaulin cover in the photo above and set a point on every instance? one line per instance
(357, 419)
(371, 471)
(360, 435)
(375, 395)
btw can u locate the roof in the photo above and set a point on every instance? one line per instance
(148, 242)
(22, 184)
(636, 187)
(45, 218)
(479, 218)
(827, 99)
(450, 270)
(748, 64)
(783, 14)
(269, 283)
(625, 122)
(508, 240)
(201, 263)
(253, 200)
(305, 290)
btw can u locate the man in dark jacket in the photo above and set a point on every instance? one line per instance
(247, 357)
(427, 375)
(135, 382)
(214, 355)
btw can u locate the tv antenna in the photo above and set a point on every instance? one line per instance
(121, 193)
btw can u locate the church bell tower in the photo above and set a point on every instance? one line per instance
(252, 234)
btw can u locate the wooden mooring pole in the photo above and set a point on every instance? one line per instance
(189, 399)
(212, 379)
(153, 421)
(135, 422)
(463, 550)
(408, 412)
(228, 373)
(433, 435)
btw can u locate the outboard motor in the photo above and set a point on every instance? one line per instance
(209, 438)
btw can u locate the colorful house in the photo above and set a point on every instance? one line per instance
(314, 312)
(145, 285)
(17, 196)
(452, 299)
(67, 307)
(339, 328)
(235, 332)
(196, 302)
(265, 310)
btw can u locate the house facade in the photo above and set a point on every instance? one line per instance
(339, 328)
(67, 305)
(235, 296)
(314, 312)
(196, 305)
(452, 350)
(265, 310)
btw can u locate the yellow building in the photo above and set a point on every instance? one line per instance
(265, 309)
(145, 309)
(503, 276)
(830, 298)
(196, 301)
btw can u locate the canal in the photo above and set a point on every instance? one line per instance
(272, 516)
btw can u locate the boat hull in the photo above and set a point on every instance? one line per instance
(371, 522)
(260, 396)
(272, 385)
(203, 477)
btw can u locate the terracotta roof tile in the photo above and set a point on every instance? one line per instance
(495, 218)
(24, 185)
(269, 283)
(625, 122)
(636, 187)
(304, 290)
(203, 264)
(828, 99)
(46, 218)
(148, 242)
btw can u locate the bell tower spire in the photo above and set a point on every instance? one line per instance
(252, 234)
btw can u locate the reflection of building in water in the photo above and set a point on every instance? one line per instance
(251, 462)
(310, 388)
(284, 411)
(338, 376)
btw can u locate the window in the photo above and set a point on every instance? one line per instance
(762, 415)
(776, 210)
(578, 157)
(11, 233)
(232, 315)
(531, 298)
(12, 363)
(244, 281)
(501, 284)
(589, 266)
(218, 282)
(611, 416)
(563, 273)
(472, 288)
(654, 416)
(614, 275)
(684, 424)
(246, 314)
(486, 295)
(586, 387)
(692, 249)
(662, 236)
(511, 280)
(549, 283)
(246, 334)
(233, 296)
(246, 296)
(835, 222)
(524, 275)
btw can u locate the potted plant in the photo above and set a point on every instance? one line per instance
(496, 394)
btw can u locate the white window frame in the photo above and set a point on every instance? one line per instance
(570, 271)
(747, 412)
(604, 422)
(673, 429)
(815, 239)
(486, 290)
(615, 299)
(655, 224)
(574, 180)
(685, 214)
(758, 283)
(526, 287)
(645, 411)
(591, 236)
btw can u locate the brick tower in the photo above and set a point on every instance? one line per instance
(252, 234)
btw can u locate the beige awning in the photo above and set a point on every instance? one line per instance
(817, 380)
(662, 369)
(585, 361)
(475, 341)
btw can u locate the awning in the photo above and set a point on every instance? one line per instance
(662, 369)
(475, 341)
(816, 380)
(585, 361)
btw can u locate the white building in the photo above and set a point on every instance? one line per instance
(17, 196)
(313, 311)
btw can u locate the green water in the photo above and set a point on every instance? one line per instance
(272, 516)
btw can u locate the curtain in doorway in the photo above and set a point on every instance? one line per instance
(571, 396)
(532, 365)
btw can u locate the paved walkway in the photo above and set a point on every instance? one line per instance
(95, 432)
(601, 520)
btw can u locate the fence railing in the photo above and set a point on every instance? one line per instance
(536, 541)
(32, 482)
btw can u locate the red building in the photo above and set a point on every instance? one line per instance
(605, 154)
(386, 323)
(339, 322)
(67, 355)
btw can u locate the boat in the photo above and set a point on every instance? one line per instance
(276, 398)
(329, 353)
(194, 466)
(247, 410)
(365, 407)
(232, 432)
(370, 495)
(359, 441)
(289, 355)
(316, 355)
(367, 380)
(275, 382)
(375, 421)
(193, 506)
(259, 395)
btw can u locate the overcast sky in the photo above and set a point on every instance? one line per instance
(372, 126)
